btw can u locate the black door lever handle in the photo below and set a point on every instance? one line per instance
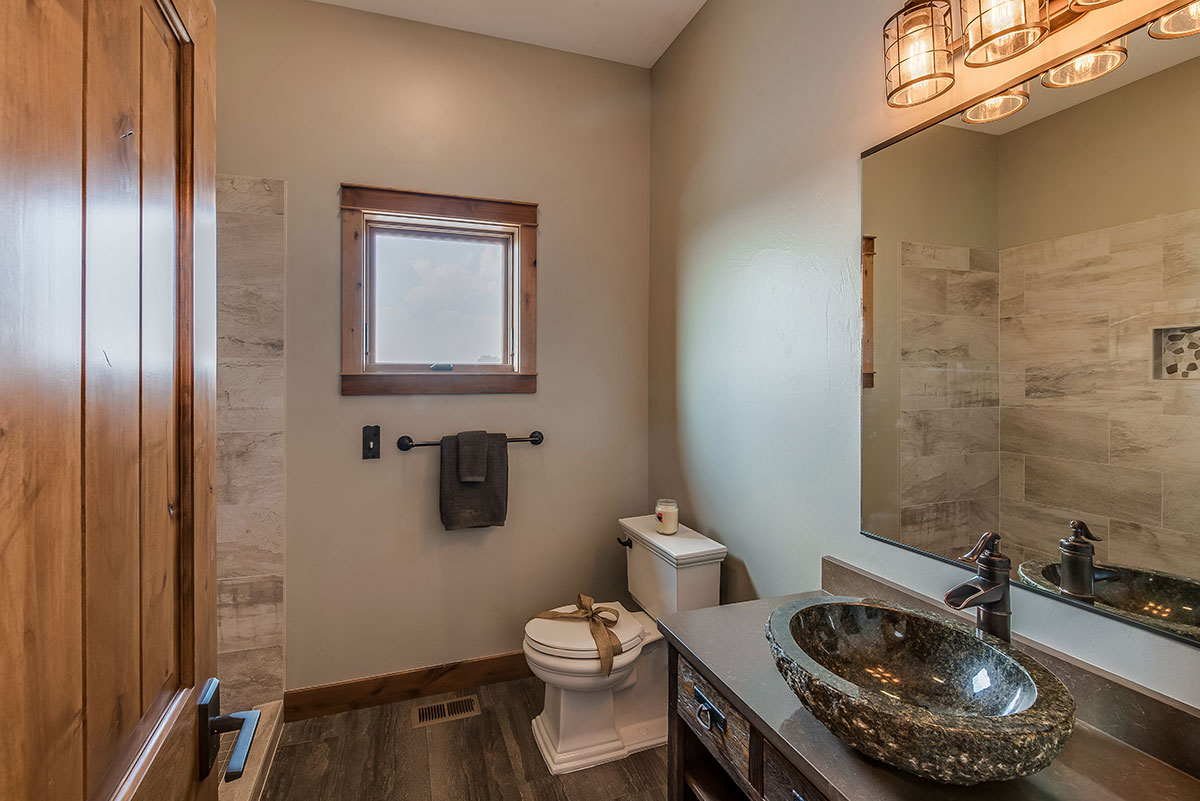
(213, 725)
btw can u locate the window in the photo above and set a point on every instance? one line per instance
(438, 294)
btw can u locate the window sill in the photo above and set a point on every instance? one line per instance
(439, 384)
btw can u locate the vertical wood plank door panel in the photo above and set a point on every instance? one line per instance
(112, 379)
(160, 436)
(41, 280)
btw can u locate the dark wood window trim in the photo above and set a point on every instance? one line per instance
(359, 201)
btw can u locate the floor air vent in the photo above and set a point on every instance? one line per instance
(444, 711)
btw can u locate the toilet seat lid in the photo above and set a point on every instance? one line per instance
(573, 638)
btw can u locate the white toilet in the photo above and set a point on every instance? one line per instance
(588, 718)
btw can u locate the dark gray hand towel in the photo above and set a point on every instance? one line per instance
(472, 456)
(478, 504)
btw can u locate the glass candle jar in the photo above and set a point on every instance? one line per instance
(667, 512)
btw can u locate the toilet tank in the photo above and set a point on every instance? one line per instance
(672, 573)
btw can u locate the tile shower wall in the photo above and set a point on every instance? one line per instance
(949, 395)
(251, 259)
(1087, 428)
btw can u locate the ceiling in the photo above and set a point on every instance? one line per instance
(1146, 57)
(629, 31)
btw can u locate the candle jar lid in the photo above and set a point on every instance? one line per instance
(667, 502)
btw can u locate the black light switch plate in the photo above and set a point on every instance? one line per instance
(370, 442)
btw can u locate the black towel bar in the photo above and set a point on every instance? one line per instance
(406, 443)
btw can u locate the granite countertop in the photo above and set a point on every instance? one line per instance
(727, 644)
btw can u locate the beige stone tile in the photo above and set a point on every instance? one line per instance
(1181, 269)
(1012, 289)
(249, 613)
(923, 480)
(1181, 502)
(974, 293)
(250, 677)
(1050, 432)
(250, 395)
(1181, 397)
(931, 338)
(935, 526)
(1093, 386)
(1096, 283)
(250, 468)
(1157, 231)
(984, 516)
(983, 426)
(1012, 387)
(973, 384)
(1095, 489)
(1031, 525)
(1066, 249)
(251, 249)
(1012, 476)
(1132, 326)
(242, 193)
(924, 386)
(933, 431)
(1156, 442)
(984, 260)
(250, 322)
(249, 540)
(1049, 338)
(941, 257)
(922, 290)
(971, 476)
(1154, 548)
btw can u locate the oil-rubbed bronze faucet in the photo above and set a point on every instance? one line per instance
(1077, 572)
(988, 591)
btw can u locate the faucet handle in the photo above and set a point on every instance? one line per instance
(988, 543)
(1081, 532)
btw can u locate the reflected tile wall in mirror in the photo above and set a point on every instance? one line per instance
(1033, 284)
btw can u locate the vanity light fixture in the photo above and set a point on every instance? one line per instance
(1178, 24)
(997, 30)
(1087, 67)
(997, 107)
(918, 53)
(1087, 5)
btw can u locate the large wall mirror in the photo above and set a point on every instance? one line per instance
(1037, 336)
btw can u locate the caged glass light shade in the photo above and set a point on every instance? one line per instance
(918, 53)
(997, 107)
(1087, 67)
(997, 30)
(1178, 24)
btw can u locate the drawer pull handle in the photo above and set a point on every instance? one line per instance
(707, 713)
(796, 796)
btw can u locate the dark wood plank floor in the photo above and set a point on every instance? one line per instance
(376, 755)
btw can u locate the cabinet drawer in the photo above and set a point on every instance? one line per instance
(782, 782)
(718, 725)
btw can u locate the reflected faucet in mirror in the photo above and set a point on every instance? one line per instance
(1077, 572)
(988, 592)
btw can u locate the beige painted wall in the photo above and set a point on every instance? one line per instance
(317, 95)
(905, 200)
(756, 222)
(1144, 134)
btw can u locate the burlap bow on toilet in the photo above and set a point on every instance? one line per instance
(606, 642)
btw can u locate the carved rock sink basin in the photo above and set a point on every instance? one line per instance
(919, 691)
(1162, 600)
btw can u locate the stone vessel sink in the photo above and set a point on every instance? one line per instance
(1162, 600)
(920, 691)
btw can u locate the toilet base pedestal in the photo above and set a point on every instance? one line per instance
(630, 740)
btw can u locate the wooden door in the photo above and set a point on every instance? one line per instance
(107, 366)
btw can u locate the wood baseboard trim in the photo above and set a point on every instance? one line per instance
(330, 699)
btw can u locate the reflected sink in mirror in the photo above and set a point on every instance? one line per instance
(1164, 600)
(919, 691)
